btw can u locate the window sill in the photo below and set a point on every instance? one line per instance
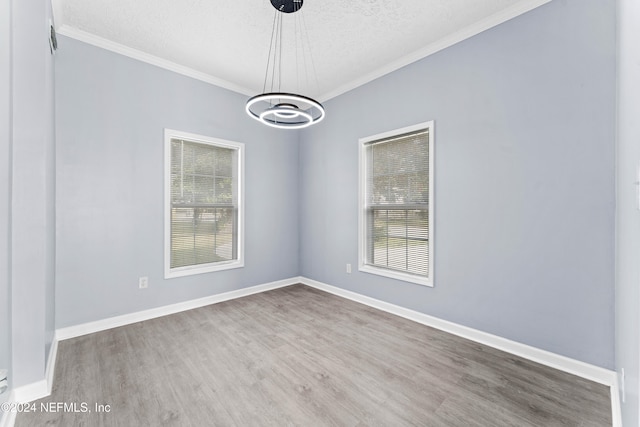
(199, 269)
(405, 277)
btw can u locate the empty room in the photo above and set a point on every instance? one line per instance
(309, 213)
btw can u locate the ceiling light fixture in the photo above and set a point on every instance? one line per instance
(281, 109)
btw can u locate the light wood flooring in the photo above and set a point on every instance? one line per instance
(297, 356)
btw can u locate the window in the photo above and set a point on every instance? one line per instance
(203, 197)
(396, 204)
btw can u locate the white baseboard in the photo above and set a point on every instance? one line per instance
(51, 364)
(23, 394)
(30, 392)
(8, 418)
(42, 388)
(616, 406)
(556, 361)
(126, 319)
(563, 363)
(33, 391)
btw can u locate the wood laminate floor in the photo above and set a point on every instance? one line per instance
(299, 356)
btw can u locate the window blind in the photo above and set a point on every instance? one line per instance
(397, 200)
(204, 205)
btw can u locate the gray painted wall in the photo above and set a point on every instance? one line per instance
(32, 203)
(628, 215)
(524, 197)
(110, 114)
(525, 127)
(5, 189)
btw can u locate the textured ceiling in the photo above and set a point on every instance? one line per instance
(347, 43)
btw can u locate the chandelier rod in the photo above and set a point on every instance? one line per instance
(266, 73)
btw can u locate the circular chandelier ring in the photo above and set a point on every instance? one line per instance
(307, 119)
(288, 110)
(285, 111)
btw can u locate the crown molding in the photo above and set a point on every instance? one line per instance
(456, 37)
(112, 46)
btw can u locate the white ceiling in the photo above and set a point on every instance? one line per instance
(227, 42)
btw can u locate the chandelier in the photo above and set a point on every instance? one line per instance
(274, 107)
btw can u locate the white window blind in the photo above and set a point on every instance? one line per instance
(397, 203)
(203, 217)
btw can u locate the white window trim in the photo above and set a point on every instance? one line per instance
(169, 272)
(362, 195)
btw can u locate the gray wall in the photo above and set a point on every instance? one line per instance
(5, 189)
(524, 191)
(32, 180)
(110, 114)
(628, 215)
(525, 127)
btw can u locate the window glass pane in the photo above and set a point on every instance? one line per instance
(188, 154)
(224, 163)
(397, 253)
(203, 218)
(203, 189)
(204, 239)
(398, 170)
(417, 188)
(224, 190)
(417, 224)
(182, 245)
(418, 257)
(224, 248)
(381, 251)
(203, 159)
(397, 216)
(381, 190)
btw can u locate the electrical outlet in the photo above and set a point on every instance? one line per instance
(349, 268)
(143, 282)
(622, 391)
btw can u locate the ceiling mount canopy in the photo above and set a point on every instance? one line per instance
(287, 6)
(274, 107)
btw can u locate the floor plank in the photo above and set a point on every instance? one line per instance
(297, 356)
